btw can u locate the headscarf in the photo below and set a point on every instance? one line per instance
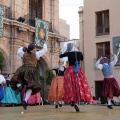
(71, 47)
(74, 48)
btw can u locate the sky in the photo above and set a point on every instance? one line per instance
(68, 10)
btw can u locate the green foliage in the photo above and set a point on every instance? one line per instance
(1, 60)
(48, 76)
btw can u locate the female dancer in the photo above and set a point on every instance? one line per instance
(56, 92)
(75, 82)
(10, 98)
(28, 74)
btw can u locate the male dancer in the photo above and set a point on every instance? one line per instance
(110, 85)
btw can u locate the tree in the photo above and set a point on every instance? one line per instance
(48, 76)
(1, 61)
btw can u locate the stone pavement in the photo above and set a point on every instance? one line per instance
(48, 112)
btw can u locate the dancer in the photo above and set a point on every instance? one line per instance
(27, 74)
(110, 85)
(2, 83)
(56, 92)
(75, 82)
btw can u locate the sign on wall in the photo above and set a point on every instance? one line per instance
(116, 48)
(1, 20)
(41, 31)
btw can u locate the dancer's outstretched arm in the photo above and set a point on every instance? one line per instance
(98, 65)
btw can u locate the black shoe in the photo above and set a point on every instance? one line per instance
(24, 105)
(109, 106)
(60, 105)
(72, 103)
(76, 108)
(112, 101)
(56, 106)
(19, 89)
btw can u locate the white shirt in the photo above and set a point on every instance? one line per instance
(39, 53)
(100, 66)
(60, 68)
(2, 79)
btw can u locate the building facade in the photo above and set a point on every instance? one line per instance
(14, 37)
(99, 25)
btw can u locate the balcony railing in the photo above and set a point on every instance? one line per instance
(29, 20)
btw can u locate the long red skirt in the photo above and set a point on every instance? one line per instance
(76, 86)
(110, 88)
(56, 92)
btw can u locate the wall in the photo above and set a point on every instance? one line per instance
(90, 38)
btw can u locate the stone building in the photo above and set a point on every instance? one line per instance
(99, 36)
(14, 37)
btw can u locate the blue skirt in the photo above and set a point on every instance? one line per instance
(10, 97)
(1, 93)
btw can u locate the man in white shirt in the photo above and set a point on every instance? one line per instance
(110, 85)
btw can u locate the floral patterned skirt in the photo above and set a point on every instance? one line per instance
(76, 86)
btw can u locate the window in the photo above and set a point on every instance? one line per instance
(103, 49)
(35, 10)
(102, 23)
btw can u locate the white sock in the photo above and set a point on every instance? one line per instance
(28, 94)
(18, 85)
(109, 101)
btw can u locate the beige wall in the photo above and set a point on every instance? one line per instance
(90, 38)
(64, 29)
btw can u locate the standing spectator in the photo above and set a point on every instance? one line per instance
(2, 83)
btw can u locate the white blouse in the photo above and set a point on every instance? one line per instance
(39, 53)
(2, 79)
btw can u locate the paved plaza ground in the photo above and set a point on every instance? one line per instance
(48, 112)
